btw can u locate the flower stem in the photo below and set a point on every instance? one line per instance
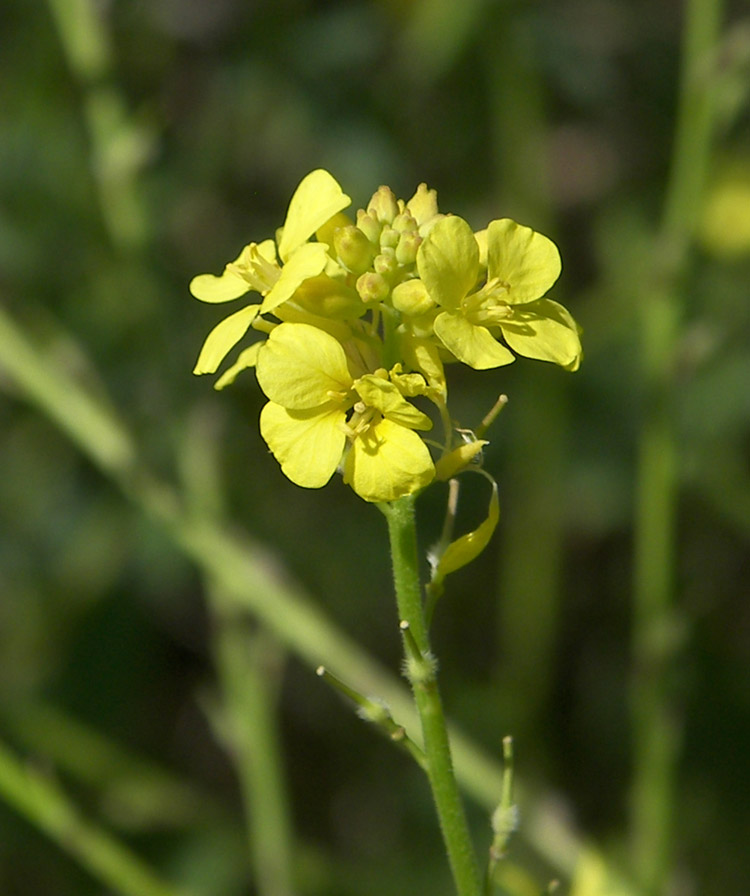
(403, 539)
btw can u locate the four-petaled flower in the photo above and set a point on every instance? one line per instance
(320, 417)
(521, 265)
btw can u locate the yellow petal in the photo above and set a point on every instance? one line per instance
(522, 258)
(307, 444)
(308, 261)
(388, 462)
(208, 288)
(300, 366)
(472, 344)
(317, 198)
(544, 330)
(223, 338)
(448, 261)
(246, 359)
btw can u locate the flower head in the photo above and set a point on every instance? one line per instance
(359, 316)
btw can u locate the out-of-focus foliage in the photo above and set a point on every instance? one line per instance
(141, 154)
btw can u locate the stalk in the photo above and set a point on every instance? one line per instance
(423, 678)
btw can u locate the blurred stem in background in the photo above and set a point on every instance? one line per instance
(118, 145)
(533, 494)
(656, 632)
(39, 799)
(249, 662)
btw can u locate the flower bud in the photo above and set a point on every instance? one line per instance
(404, 222)
(372, 288)
(389, 238)
(386, 263)
(408, 244)
(411, 297)
(353, 248)
(370, 226)
(383, 205)
(423, 205)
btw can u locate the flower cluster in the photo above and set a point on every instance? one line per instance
(360, 317)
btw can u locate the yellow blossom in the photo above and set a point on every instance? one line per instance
(320, 418)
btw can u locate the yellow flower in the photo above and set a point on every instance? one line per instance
(521, 266)
(321, 418)
(275, 275)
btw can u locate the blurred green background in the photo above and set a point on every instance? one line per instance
(608, 626)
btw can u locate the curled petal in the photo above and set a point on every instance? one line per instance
(246, 359)
(317, 198)
(209, 288)
(223, 338)
(308, 261)
(386, 398)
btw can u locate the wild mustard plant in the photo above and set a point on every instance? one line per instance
(356, 321)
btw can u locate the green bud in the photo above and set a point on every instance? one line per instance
(389, 238)
(386, 263)
(408, 244)
(372, 288)
(411, 297)
(404, 222)
(328, 297)
(370, 226)
(383, 205)
(353, 248)
(423, 205)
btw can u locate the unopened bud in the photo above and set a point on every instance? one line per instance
(408, 244)
(372, 288)
(383, 206)
(353, 248)
(389, 238)
(370, 226)
(386, 263)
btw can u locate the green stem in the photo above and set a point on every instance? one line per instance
(403, 539)
(656, 727)
(39, 799)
